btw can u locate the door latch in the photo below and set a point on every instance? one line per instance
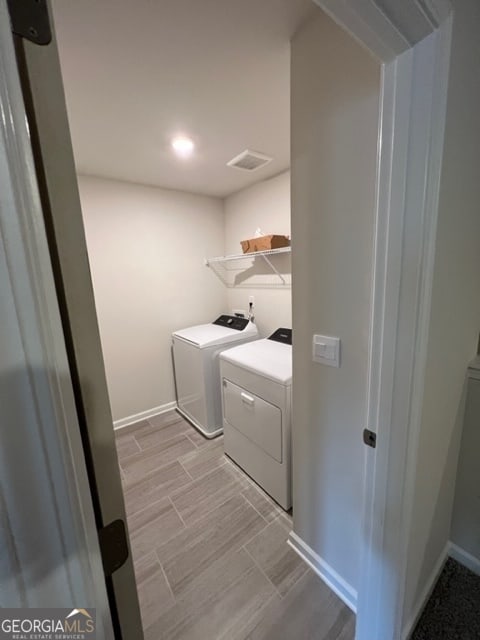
(370, 438)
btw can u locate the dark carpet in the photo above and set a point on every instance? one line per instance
(453, 611)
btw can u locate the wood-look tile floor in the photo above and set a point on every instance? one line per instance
(209, 547)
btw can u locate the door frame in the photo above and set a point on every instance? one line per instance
(412, 44)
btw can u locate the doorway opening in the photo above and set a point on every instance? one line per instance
(154, 221)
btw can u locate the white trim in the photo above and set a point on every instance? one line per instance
(383, 328)
(386, 33)
(426, 593)
(369, 25)
(144, 415)
(414, 102)
(436, 72)
(464, 558)
(332, 579)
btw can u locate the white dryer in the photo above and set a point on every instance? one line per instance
(257, 406)
(196, 368)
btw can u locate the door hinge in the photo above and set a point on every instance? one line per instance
(30, 20)
(370, 438)
(113, 546)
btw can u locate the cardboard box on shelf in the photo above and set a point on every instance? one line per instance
(264, 243)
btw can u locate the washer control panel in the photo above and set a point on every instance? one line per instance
(282, 335)
(232, 322)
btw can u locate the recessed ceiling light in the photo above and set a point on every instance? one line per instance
(183, 146)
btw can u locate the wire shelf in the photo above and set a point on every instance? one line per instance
(272, 271)
(243, 256)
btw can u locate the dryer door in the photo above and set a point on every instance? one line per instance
(256, 419)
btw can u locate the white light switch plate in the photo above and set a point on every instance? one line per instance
(326, 350)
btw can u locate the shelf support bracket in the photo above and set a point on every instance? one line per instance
(273, 268)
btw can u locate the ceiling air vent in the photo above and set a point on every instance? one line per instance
(249, 161)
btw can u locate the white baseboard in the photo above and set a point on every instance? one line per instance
(331, 578)
(465, 558)
(144, 415)
(426, 593)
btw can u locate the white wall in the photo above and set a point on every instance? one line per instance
(146, 248)
(335, 93)
(265, 205)
(455, 312)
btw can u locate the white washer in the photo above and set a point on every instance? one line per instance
(257, 405)
(196, 368)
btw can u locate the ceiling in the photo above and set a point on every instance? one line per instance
(138, 72)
